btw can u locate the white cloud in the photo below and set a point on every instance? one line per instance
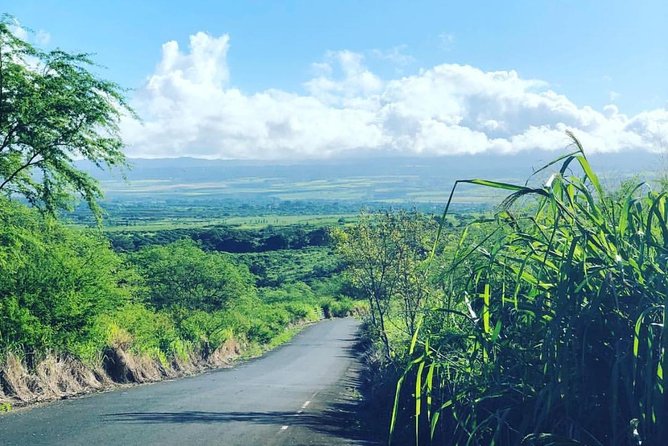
(40, 37)
(343, 76)
(446, 41)
(395, 55)
(189, 108)
(19, 31)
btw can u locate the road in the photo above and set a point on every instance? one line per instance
(298, 394)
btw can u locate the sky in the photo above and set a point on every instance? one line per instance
(311, 79)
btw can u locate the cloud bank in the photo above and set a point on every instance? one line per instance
(189, 108)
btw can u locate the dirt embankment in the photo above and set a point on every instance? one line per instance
(58, 377)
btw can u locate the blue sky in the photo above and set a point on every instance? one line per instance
(594, 53)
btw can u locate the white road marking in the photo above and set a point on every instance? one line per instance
(300, 411)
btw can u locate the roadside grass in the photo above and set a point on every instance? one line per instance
(285, 336)
(552, 330)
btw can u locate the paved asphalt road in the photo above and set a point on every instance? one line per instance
(298, 394)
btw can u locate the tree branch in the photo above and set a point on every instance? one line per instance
(17, 171)
(8, 139)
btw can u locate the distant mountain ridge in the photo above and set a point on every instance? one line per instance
(386, 178)
(470, 164)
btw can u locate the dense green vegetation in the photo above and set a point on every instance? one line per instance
(314, 266)
(55, 282)
(226, 238)
(544, 324)
(64, 289)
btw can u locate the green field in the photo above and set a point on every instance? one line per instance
(249, 222)
(371, 189)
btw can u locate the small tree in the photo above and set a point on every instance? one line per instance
(385, 255)
(53, 111)
(413, 284)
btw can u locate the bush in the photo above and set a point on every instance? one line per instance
(54, 282)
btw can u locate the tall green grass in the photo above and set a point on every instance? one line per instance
(552, 330)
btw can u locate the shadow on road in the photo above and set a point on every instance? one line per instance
(339, 420)
(199, 417)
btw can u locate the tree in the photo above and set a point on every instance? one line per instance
(181, 275)
(385, 257)
(54, 110)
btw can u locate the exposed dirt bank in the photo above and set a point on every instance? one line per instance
(58, 377)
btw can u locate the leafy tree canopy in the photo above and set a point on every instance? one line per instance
(53, 111)
(182, 275)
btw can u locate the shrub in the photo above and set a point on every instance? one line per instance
(55, 281)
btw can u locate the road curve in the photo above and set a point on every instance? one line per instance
(298, 394)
